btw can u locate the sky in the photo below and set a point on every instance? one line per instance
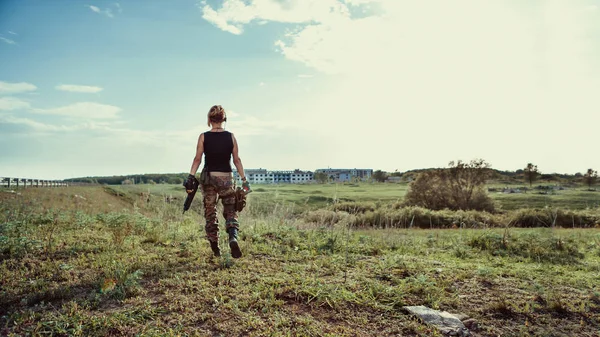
(101, 88)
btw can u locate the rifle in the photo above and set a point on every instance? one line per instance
(190, 196)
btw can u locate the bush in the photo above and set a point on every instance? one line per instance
(425, 218)
(324, 217)
(553, 217)
(460, 187)
(353, 207)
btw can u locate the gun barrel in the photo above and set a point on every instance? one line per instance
(188, 200)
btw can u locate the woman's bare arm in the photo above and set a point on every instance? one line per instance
(198, 158)
(237, 161)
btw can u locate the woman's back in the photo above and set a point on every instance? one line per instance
(218, 147)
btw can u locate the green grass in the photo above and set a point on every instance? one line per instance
(121, 261)
(315, 196)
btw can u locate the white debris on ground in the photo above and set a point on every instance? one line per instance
(447, 323)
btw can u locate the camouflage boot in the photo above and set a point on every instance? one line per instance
(214, 245)
(233, 243)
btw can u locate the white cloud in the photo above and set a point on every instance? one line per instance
(449, 67)
(107, 11)
(261, 84)
(359, 2)
(305, 76)
(35, 125)
(12, 33)
(213, 17)
(15, 88)
(233, 14)
(87, 110)
(231, 113)
(119, 9)
(78, 88)
(13, 103)
(9, 41)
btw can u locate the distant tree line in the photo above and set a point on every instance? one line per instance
(529, 175)
(152, 178)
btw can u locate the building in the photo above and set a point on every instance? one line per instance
(344, 175)
(263, 176)
(301, 177)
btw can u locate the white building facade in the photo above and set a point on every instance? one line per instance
(264, 176)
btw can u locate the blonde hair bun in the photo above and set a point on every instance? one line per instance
(216, 114)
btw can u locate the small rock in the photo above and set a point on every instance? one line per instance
(471, 324)
(445, 322)
(462, 316)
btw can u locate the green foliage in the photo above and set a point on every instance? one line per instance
(460, 187)
(307, 273)
(549, 217)
(531, 173)
(590, 178)
(16, 239)
(419, 217)
(354, 207)
(538, 247)
(379, 176)
(170, 178)
(122, 225)
(321, 177)
(119, 281)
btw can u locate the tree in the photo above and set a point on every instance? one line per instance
(380, 176)
(461, 186)
(321, 177)
(590, 178)
(396, 174)
(531, 173)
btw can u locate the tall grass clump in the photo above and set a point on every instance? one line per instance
(354, 207)
(549, 217)
(535, 246)
(420, 217)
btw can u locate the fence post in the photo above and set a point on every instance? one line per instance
(8, 182)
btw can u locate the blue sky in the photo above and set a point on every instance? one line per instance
(123, 87)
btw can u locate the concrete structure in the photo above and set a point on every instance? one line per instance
(345, 175)
(263, 176)
(297, 176)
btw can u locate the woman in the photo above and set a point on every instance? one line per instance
(218, 146)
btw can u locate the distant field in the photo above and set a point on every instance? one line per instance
(315, 196)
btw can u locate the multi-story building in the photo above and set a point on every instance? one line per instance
(301, 177)
(263, 176)
(342, 175)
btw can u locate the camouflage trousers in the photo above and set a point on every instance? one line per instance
(220, 187)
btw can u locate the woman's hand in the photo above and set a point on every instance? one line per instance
(191, 184)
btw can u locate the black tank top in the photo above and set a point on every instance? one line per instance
(218, 147)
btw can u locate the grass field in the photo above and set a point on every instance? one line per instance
(315, 196)
(112, 261)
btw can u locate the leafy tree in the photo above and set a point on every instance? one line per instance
(321, 177)
(461, 186)
(396, 174)
(175, 180)
(380, 176)
(531, 173)
(590, 178)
